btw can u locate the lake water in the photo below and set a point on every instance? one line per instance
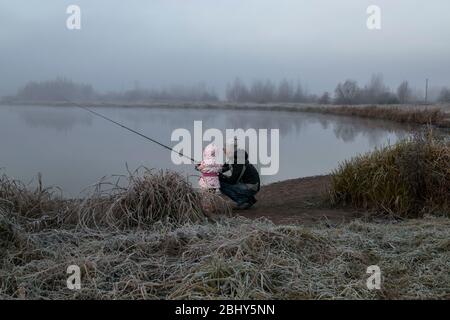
(74, 149)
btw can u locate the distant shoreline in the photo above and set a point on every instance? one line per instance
(437, 114)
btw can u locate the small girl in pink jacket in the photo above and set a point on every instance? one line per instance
(209, 168)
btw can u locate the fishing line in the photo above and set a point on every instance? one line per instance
(129, 129)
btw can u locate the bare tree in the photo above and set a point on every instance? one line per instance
(375, 89)
(262, 91)
(285, 91)
(300, 93)
(237, 91)
(404, 92)
(376, 92)
(325, 98)
(266, 91)
(444, 96)
(347, 92)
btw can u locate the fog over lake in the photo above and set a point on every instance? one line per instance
(163, 42)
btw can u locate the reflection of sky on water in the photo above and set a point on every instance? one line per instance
(73, 149)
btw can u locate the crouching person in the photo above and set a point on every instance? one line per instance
(243, 183)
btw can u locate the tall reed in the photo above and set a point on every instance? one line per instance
(407, 179)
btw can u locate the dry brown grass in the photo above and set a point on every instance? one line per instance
(36, 206)
(147, 197)
(234, 258)
(433, 116)
(408, 179)
(127, 251)
(26, 201)
(134, 201)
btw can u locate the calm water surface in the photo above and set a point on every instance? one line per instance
(74, 149)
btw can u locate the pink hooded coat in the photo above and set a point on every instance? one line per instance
(209, 168)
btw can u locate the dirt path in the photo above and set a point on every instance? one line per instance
(298, 201)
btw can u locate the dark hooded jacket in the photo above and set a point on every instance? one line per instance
(242, 171)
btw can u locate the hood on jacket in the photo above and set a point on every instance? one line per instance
(210, 154)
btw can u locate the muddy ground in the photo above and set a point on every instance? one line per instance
(298, 201)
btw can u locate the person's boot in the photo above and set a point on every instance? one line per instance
(244, 206)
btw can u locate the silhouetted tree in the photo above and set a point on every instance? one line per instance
(262, 91)
(404, 92)
(237, 91)
(55, 90)
(325, 98)
(199, 92)
(285, 92)
(444, 96)
(375, 91)
(347, 92)
(300, 94)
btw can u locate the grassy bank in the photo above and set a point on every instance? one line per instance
(233, 258)
(420, 116)
(134, 201)
(408, 179)
(151, 238)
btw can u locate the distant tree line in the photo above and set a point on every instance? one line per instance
(62, 89)
(375, 92)
(259, 91)
(199, 92)
(55, 90)
(347, 92)
(267, 91)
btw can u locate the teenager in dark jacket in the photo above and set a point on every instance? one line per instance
(243, 183)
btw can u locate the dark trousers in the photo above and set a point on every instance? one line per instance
(239, 193)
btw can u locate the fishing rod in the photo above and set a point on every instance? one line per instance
(129, 129)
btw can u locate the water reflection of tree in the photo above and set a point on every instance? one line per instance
(344, 128)
(60, 119)
(347, 129)
(173, 118)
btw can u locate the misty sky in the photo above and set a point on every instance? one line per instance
(163, 42)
